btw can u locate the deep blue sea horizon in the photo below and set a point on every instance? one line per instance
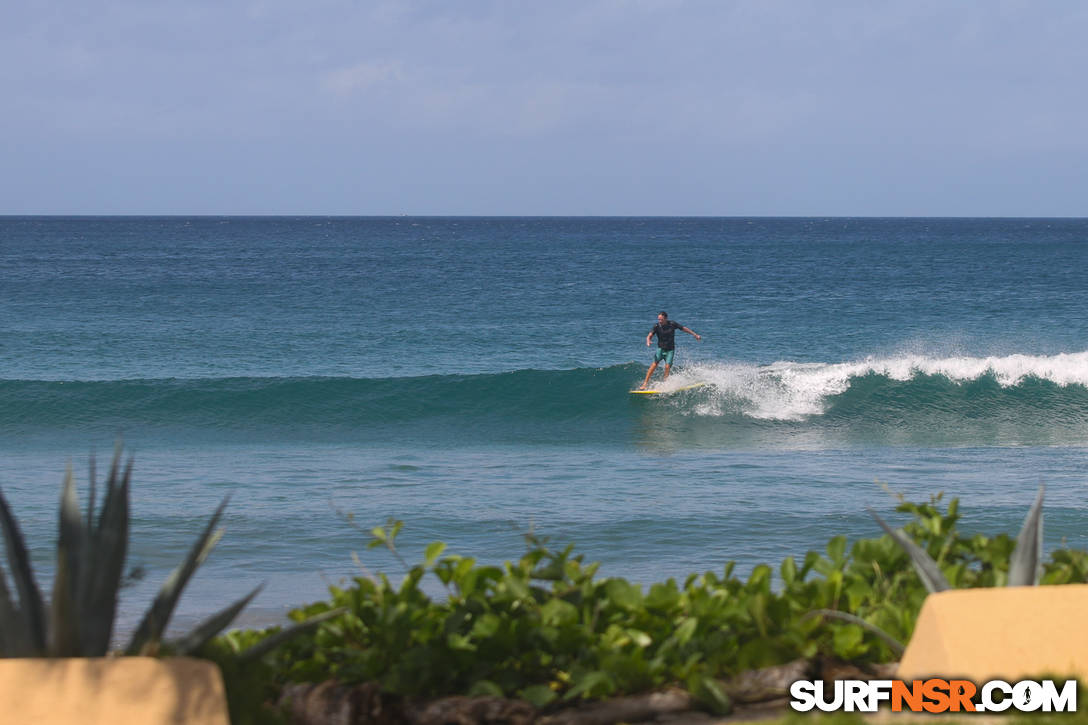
(469, 376)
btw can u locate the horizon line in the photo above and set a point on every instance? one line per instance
(176, 215)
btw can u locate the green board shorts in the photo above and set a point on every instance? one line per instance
(665, 355)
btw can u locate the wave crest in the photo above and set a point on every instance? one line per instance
(1013, 399)
(793, 391)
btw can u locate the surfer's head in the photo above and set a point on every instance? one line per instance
(662, 316)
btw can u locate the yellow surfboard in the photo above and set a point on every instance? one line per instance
(667, 392)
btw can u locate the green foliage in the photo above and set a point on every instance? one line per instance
(1024, 556)
(546, 629)
(250, 682)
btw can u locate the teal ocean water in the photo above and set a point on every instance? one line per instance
(469, 376)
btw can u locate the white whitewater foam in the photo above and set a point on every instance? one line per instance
(792, 391)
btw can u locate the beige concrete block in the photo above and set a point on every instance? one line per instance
(112, 691)
(1008, 633)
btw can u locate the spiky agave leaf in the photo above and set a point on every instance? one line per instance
(90, 568)
(268, 644)
(1025, 564)
(895, 645)
(927, 569)
(105, 562)
(92, 485)
(148, 635)
(30, 612)
(213, 625)
(65, 612)
(14, 633)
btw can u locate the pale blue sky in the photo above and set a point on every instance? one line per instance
(601, 107)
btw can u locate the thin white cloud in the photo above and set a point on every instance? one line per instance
(362, 76)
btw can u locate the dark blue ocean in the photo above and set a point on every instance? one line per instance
(469, 376)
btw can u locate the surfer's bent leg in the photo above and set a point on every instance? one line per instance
(660, 355)
(648, 374)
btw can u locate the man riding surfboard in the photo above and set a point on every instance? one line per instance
(665, 329)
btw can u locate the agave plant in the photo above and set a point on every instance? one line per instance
(88, 578)
(1025, 564)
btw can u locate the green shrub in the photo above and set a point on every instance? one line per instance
(546, 629)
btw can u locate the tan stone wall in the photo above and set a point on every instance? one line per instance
(112, 691)
(1009, 633)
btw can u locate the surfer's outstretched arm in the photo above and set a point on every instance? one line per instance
(689, 331)
(649, 337)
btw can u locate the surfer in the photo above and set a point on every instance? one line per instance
(665, 329)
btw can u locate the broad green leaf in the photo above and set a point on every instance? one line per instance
(789, 570)
(760, 578)
(757, 605)
(662, 597)
(538, 695)
(518, 588)
(623, 594)
(640, 638)
(432, 552)
(394, 529)
(836, 549)
(686, 630)
(486, 626)
(847, 641)
(459, 642)
(710, 693)
(485, 687)
(592, 684)
(464, 566)
(558, 612)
